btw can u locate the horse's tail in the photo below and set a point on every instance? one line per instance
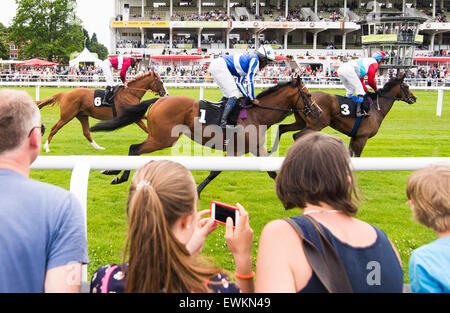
(129, 115)
(49, 101)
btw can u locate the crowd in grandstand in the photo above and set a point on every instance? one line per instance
(274, 73)
(328, 12)
(212, 15)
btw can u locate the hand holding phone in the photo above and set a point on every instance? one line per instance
(204, 227)
(221, 211)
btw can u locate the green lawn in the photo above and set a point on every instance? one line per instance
(408, 131)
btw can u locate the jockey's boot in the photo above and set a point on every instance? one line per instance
(359, 110)
(223, 100)
(108, 95)
(226, 112)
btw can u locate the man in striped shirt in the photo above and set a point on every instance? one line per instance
(230, 72)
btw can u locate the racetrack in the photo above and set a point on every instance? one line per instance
(407, 131)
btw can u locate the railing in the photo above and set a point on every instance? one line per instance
(82, 165)
(98, 80)
(328, 84)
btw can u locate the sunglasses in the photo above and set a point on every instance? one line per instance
(42, 127)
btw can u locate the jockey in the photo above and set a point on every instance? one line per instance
(352, 77)
(121, 63)
(231, 71)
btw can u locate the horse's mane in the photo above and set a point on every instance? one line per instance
(394, 81)
(140, 77)
(274, 89)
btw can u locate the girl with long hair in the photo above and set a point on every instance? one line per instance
(166, 235)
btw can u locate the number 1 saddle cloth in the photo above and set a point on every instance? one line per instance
(210, 113)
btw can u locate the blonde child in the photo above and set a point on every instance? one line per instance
(428, 192)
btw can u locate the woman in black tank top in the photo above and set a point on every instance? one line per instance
(316, 178)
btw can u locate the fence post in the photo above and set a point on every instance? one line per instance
(37, 93)
(201, 93)
(440, 100)
(79, 186)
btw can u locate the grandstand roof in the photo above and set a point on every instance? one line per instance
(432, 59)
(176, 57)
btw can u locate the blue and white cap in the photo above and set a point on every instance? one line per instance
(267, 52)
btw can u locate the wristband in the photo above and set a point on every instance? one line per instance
(250, 276)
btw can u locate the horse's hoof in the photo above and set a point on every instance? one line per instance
(116, 181)
(46, 147)
(96, 146)
(199, 192)
(107, 172)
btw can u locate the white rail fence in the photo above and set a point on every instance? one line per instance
(202, 86)
(82, 165)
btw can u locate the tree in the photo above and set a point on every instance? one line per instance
(96, 47)
(48, 29)
(4, 44)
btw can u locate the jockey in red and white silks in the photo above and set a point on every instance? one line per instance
(352, 76)
(120, 63)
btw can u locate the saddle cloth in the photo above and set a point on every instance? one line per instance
(99, 94)
(210, 113)
(348, 105)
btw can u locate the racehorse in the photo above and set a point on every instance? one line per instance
(79, 103)
(394, 89)
(168, 113)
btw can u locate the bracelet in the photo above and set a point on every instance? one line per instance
(250, 276)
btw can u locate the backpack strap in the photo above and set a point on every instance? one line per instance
(327, 265)
(105, 280)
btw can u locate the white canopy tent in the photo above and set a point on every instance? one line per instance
(85, 57)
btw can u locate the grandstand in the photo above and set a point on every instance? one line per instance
(154, 25)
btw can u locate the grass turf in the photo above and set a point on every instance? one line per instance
(407, 131)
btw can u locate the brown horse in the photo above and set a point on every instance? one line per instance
(169, 117)
(394, 89)
(79, 103)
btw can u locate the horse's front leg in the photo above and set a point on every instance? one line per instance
(206, 181)
(261, 152)
(303, 132)
(283, 128)
(126, 174)
(141, 124)
(357, 145)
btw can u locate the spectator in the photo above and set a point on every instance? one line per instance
(371, 261)
(42, 234)
(166, 235)
(428, 192)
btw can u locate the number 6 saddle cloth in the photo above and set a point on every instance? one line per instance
(348, 105)
(99, 94)
(210, 113)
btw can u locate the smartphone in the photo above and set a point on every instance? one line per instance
(221, 211)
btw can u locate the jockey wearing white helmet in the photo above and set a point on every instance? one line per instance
(243, 67)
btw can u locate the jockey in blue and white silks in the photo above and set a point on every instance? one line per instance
(244, 67)
(230, 72)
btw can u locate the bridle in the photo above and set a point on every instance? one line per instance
(407, 97)
(307, 109)
(142, 89)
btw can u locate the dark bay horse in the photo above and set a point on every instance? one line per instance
(394, 89)
(170, 117)
(79, 103)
